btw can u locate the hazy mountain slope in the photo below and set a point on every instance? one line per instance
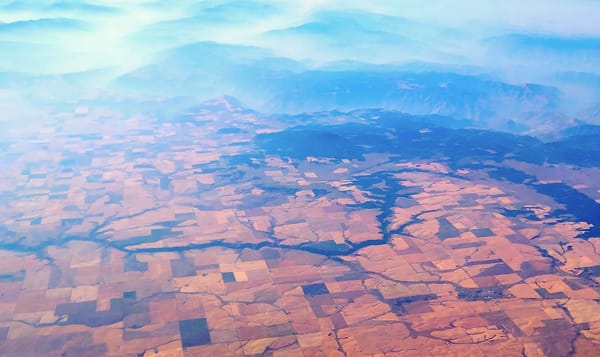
(276, 84)
(545, 52)
(367, 36)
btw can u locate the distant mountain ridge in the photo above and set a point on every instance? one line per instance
(280, 85)
(546, 52)
(64, 24)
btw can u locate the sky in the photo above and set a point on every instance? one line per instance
(69, 36)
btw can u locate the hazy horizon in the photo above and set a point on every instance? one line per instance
(63, 51)
(128, 34)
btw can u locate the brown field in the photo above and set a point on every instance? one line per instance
(131, 242)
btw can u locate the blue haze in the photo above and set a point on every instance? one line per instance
(510, 66)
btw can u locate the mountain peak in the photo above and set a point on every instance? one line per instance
(226, 102)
